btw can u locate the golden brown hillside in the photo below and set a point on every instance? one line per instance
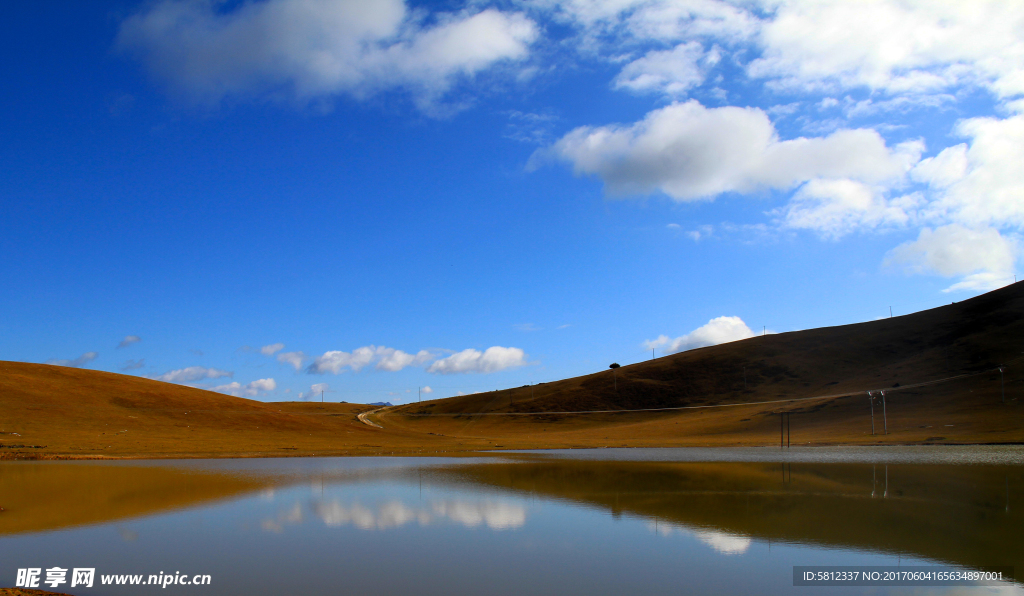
(967, 339)
(50, 411)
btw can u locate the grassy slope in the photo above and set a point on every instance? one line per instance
(59, 411)
(965, 337)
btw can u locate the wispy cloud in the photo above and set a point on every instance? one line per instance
(271, 349)
(79, 362)
(247, 390)
(192, 374)
(129, 340)
(134, 364)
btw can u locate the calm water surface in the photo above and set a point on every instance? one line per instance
(665, 521)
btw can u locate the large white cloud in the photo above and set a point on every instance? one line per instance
(719, 330)
(307, 49)
(193, 373)
(983, 256)
(898, 46)
(490, 360)
(251, 389)
(982, 183)
(689, 151)
(385, 358)
(895, 46)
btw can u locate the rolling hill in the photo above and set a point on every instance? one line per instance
(818, 376)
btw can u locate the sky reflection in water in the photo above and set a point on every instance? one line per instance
(421, 526)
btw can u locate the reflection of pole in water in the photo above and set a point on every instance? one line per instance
(1007, 494)
(885, 495)
(874, 479)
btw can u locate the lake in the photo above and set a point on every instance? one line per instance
(593, 522)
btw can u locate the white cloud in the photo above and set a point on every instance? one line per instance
(394, 360)
(249, 389)
(916, 46)
(309, 49)
(980, 184)
(193, 373)
(316, 390)
(672, 72)
(490, 360)
(426, 389)
(834, 208)
(719, 330)
(271, 349)
(655, 20)
(129, 340)
(295, 359)
(688, 151)
(79, 362)
(386, 358)
(982, 255)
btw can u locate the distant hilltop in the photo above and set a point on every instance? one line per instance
(381, 403)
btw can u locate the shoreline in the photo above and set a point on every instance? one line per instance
(477, 452)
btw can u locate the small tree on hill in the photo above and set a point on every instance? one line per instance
(615, 378)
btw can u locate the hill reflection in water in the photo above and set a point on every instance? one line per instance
(506, 526)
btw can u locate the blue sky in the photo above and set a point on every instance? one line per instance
(274, 197)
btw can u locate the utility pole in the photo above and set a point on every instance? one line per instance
(885, 420)
(652, 353)
(871, 400)
(890, 312)
(321, 396)
(419, 394)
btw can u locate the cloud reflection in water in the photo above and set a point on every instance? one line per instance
(495, 515)
(723, 542)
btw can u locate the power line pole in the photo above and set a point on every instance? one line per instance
(885, 419)
(419, 394)
(871, 400)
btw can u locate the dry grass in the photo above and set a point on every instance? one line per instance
(61, 412)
